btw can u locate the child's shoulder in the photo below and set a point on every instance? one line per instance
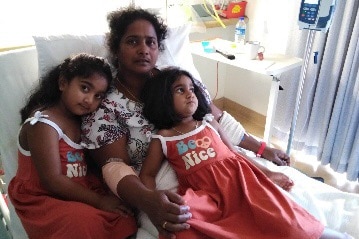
(53, 118)
(36, 116)
(37, 129)
(42, 115)
(46, 117)
(166, 132)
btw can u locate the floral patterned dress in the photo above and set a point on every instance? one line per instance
(118, 117)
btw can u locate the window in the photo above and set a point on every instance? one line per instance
(21, 19)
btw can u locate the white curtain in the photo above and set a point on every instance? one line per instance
(328, 118)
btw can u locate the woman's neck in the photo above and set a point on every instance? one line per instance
(133, 84)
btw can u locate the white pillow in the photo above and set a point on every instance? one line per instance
(178, 50)
(52, 50)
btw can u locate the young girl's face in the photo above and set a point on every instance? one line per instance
(184, 99)
(138, 51)
(82, 96)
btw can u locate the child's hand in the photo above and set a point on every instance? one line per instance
(111, 203)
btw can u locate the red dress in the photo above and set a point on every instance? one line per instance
(44, 216)
(228, 196)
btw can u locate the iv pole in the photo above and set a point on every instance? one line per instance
(309, 43)
(325, 16)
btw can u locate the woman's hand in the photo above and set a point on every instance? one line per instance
(167, 212)
(111, 203)
(277, 156)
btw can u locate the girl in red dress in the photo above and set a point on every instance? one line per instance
(229, 197)
(53, 192)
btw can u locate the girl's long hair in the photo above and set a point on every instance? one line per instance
(47, 92)
(158, 99)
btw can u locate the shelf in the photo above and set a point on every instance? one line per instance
(209, 22)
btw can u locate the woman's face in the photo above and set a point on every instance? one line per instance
(138, 50)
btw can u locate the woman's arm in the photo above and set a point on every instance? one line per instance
(114, 150)
(249, 143)
(152, 164)
(160, 206)
(278, 178)
(226, 141)
(277, 156)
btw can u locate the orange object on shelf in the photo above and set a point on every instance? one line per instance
(234, 10)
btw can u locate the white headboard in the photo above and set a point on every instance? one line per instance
(18, 73)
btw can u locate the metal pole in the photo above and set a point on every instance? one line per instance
(308, 49)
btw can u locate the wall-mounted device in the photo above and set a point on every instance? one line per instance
(316, 14)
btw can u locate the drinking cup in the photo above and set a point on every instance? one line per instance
(252, 48)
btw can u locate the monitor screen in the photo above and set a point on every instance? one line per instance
(311, 1)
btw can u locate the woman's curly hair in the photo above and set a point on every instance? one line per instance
(119, 21)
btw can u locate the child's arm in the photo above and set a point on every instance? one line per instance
(152, 164)
(43, 143)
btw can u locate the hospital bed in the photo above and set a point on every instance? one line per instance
(20, 70)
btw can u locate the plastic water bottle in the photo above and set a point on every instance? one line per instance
(240, 32)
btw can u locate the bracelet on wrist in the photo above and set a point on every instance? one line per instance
(261, 149)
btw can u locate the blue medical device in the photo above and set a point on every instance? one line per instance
(316, 14)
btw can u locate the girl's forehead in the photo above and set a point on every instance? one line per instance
(184, 79)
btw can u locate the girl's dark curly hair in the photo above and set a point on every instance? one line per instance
(158, 99)
(119, 21)
(47, 93)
